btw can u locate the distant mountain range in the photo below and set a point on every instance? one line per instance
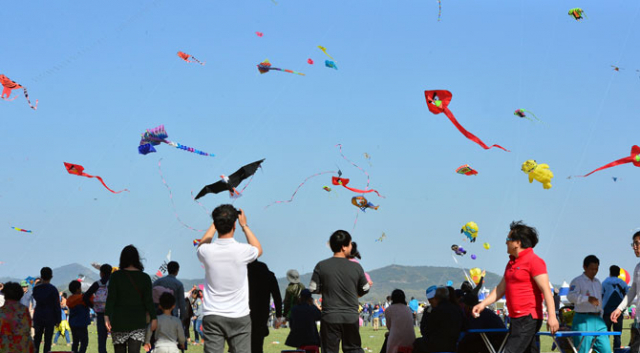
(413, 280)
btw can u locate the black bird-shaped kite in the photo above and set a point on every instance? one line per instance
(231, 182)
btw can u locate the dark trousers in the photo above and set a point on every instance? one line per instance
(102, 333)
(131, 346)
(616, 327)
(48, 336)
(522, 335)
(331, 334)
(80, 339)
(258, 333)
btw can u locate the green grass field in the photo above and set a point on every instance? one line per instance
(274, 343)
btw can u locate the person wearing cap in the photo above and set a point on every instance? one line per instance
(341, 282)
(47, 312)
(292, 293)
(27, 297)
(304, 331)
(226, 292)
(442, 326)
(431, 293)
(525, 283)
(585, 291)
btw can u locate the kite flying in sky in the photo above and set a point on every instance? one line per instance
(22, 230)
(438, 102)
(157, 135)
(466, 170)
(324, 50)
(259, 34)
(343, 181)
(186, 57)
(382, 237)
(539, 172)
(8, 86)
(330, 64)
(310, 61)
(77, 169)
(362, 203)
(522, 113)
(633, 158)
(231, 182)
(265, 66)
(470, 230)
(576, 13)
(460, 251)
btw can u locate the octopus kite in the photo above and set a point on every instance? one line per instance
(265, 67)
(466, 170)
(522, 113)
(157, 135)
(186, 57)
(438, 102)
(362, 203)
(576, 13)
(539, 172)
(8, 86)
(633, 158)
(77, 169)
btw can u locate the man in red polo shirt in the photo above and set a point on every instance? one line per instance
(525, 284)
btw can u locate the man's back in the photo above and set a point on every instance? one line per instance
(47, 311)
(443, 327)
(340, 282)
(171, 282)
(613, 290)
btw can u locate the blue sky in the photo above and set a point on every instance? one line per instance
(104, 74)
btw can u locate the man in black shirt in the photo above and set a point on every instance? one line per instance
(341, 282)
(443, 325)
(262, 286)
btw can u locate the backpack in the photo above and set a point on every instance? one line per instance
(100, 298)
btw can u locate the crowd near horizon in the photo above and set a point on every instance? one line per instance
(241, 300)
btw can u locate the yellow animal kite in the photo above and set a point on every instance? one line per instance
(539, 172)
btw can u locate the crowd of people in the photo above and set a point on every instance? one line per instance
(241, 300)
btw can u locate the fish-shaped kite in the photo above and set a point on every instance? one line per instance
(265, 67)
(577, 13)
(231, 182)
(633, 158)
(22, 230)
(438, 102)
(157, 135)
(77, 169)
(324, 50)
(362, 203)
(8, 86)
(522, 113)
(466, 170)
(186, 57)
(330, 64)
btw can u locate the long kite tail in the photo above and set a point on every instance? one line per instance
(530, 112)
(26, 95)
(612, 164)
(469, 135)
(362, 191)
(439, 9)
(187, 148)
(105, 185)
(286, 70)
(355, 165)
(198, 61)
(298, 188)
(173, 205)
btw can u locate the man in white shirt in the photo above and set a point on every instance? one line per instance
(226, 292)
(631, 295)
(585, 292)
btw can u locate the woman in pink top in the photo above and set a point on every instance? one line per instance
(399, 322)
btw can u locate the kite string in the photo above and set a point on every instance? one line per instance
(298, 188)
(355, 165)
(173, 205)
(200, 204)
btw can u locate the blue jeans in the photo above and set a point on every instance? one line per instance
(197, 329)
(102, 333)
(66, 336)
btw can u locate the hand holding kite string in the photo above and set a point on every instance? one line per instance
(265, 67)
(8, 86)
(231, 182)
(438, 102)
(186, 57)
(77, 169)
(157, 135)
(633, 158)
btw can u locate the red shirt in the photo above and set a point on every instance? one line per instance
(522, 293)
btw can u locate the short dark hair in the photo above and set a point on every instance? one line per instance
(130, 257)
(614, 271)
(105, 270)
(12, 291)
(338, 239)
(173, 267)
(46, 273)
(224, 218)
(528, 236)
(74, 286)
(591, 259)
(397, 297)
(466, 287)
(167, 300)
(636, 234)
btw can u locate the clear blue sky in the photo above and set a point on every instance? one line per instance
(104, 74)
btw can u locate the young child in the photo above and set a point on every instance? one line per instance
(169, 333)
(356, 254)
(98, 293)
(79, 318)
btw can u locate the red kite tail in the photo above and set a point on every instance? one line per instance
(469, 135)
(362, 191)
(105, 185)
(612, 164)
